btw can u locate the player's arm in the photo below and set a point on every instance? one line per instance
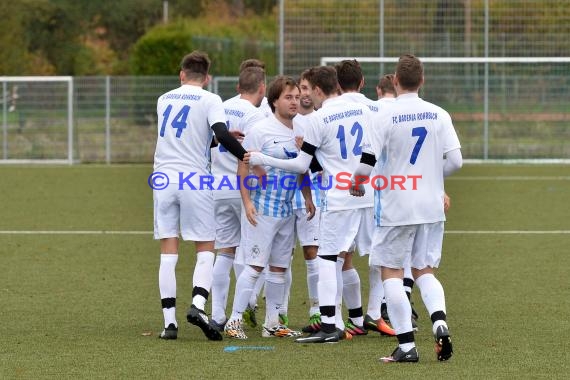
(453, 162)
(306, 191)
(315, 166)
(237, 134)
(299, 164)
(248, 206)
(362, 173)
(229, 142)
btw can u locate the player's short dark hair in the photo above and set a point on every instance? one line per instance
(386, 84)
(276, 88)
(349, 74)
(252, 62)
(250, 79)
(304, 76)
(410, 72)
(196, 65)
(325, 78)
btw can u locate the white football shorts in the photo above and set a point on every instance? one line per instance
(307, 231)
(271, 242)
(189, 213)
(228, 222)
(340, 229)
(421, 242)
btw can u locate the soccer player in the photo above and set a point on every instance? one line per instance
(187, 116)
(307, 231)
(385, 90)
(416, 136)
(242, 113)
(250, 313)
(267, 235)
(351, 81)
(376, 302)
(253, 62)
(334, 137)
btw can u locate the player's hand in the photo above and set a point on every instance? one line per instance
(254, 158)
(299, 141)
(238, 135)
(356, 190)
(251, 213)
(310, 208)
(446, 202)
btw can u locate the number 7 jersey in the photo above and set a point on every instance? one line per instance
(185, 116)
(415, 135)
(337, 130)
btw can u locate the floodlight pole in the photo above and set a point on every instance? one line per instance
(165, 11)
(4, 120)
(486, 87)
(281, 34)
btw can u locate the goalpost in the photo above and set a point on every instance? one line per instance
(509, 109)
(37, 120)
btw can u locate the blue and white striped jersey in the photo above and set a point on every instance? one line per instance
(273, 195)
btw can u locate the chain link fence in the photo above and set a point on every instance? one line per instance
(502, 111)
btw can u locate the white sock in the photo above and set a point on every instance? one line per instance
(312, 281)
(338, 299)
(376, 292)
(351, 295)
(257, 289)
(167, 287)
(399, 308)
(287, 291)
(238, 263)
(221, 286)
(327, 287)
(274, 295)
(202, 279)
(407, 346)
(244, 287)
(432, 295)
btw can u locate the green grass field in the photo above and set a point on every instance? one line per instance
(81, 305)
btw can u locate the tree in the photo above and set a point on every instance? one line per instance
(13, 56)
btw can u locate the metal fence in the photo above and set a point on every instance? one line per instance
(311, 29)
(502, 111)
(114, 118)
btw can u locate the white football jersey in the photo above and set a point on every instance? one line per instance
(337, 130)
(416, 135)
(185, 116)
(263, 107)
(299, 124)
(274, 197)
(357, 97)
(241, 115)
(385, 102)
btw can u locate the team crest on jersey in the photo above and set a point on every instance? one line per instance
(255, 251)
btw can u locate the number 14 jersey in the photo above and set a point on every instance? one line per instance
(185, 116)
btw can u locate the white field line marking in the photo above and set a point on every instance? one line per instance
(507, 232)
(45, 232)
(509, 178)
(454, 232)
